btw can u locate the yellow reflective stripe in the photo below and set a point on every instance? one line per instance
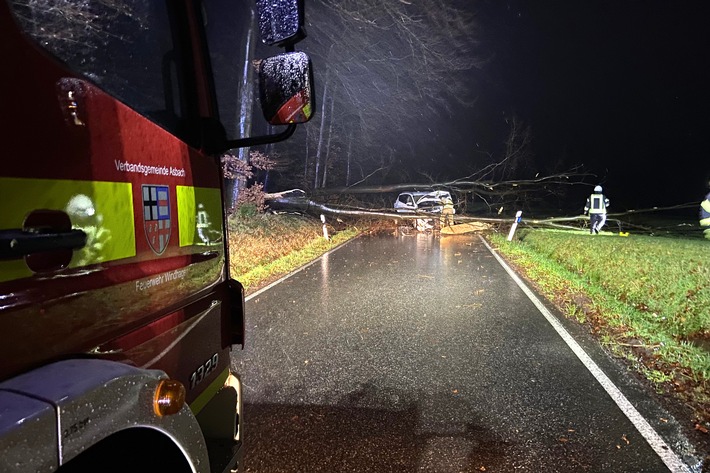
(201, 401)
(199, 214)
(705, 222)
(104, 210)
(14, 269)
(705, 204)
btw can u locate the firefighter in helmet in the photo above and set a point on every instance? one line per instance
(447, 211)
(84, 216)
(596, 206)
(704, 215)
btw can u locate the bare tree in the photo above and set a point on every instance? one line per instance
(518, 152)
(244, 111)
(64, 24)
(386, 67)
(237, 169)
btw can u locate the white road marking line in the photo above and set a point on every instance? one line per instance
(296, 271)
(672, 461)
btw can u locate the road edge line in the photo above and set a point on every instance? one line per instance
(669, 457)
(298, 270)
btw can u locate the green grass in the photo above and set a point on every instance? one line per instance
(647, 297)
(264, 247)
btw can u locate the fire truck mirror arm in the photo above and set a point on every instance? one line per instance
(261, 140)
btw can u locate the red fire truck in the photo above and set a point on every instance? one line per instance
(117, 310)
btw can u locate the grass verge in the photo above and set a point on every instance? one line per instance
(265, 247)
(646, 298)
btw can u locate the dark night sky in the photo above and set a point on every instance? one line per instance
(620, 86)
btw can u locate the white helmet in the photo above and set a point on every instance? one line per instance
(598, 189)
(80, 206)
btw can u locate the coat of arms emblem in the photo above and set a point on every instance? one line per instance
(156, 216)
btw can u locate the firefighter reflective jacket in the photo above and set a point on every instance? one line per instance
(705, 211)
(448, 205)
(596, 204)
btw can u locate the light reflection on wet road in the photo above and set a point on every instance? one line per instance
(420, 354)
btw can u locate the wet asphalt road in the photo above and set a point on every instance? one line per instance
(421, 354)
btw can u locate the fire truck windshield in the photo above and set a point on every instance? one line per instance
(122, 46)
(129, 49)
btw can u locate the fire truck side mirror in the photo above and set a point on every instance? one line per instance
(281, 21)
(285, 88)
(285, 81)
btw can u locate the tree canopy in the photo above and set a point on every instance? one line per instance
(391, 78)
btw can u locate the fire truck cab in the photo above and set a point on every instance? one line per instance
(117, 310)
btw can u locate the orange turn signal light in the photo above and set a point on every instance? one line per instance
(169, 397)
